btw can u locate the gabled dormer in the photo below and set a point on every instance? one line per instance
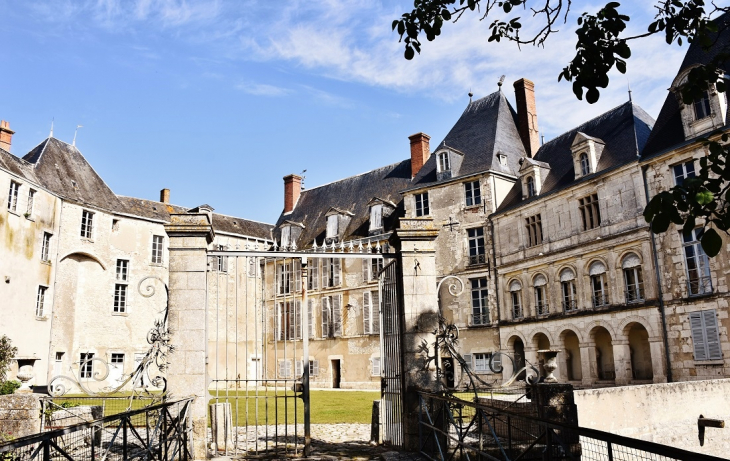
(380, 210)
(532, 176)
(448, 162)
(337, 222)
(290, 232)
(586, 152)
(702, 115)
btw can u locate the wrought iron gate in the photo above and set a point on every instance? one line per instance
(390, 350)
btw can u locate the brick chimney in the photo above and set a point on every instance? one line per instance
(527, 115)
(292, 190)
(420, 151)
(6, 135)
(165, 196)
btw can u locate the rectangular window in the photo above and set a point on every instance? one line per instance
(473, 193)
(570, 296)
(371, 313)
(330, 272)
(13, 196)
(157, 241)
(221, 261)
(371, 268)
(600, 295)
(313, 368)
(376, 217)
(332, 228)
(443, 161)
(697, 264)
(120, 298)
(516, 304)
(310, 318)
(122, 270)
(683, 171)
(288, 319)
(481, 362)
(702, 106)
(634, 284)
(86, 365)
(541, 304)
(313, 280)
(31, 199)
(87, 224)
(534, 230)
(375, 370)
(284, 276)
(705, 335)
(117, 358)
(422, 204)
(285, 236)
(476, 246)
(40, 301)
(285, 369)
(479, 309)
(45, 247)
(589, 212)
(332, 316)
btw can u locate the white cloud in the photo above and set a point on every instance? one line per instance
(262, 89)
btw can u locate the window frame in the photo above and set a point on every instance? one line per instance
(599, 290)
(422, 204)
(709, 346)
(31, 202)
(376, 218)
(158, 245)
(633, 292)
(479, 295)
(533, 224)
(13, 193)
(87, 224)
(443, 161)
(371, 312)
(685, 173)
(480, 362)
(46, 247)
(121, 295)
(701, 262)
(590, 212)
(86, 365)
(476, 245)
(40, 301)
(332, 230)
(585, 164)
(331, 272)
(702, 103)
(530, 185)
(541, 304)
(472, 193)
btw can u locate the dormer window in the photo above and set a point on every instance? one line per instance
(286, 236)
(332, 227)
(530, 181)
(585, 166)
(376, 216)
(443, 162)
(337, 222)
(702, 106)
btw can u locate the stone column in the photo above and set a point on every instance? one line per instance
(622, 361)
(531, 358)
(189, 236)
(656, 346)
(588, 363)
(415, 240)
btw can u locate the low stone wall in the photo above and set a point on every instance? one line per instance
(661, 413)
(20, 415)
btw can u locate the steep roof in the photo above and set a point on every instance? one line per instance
(62, 169)
(668, 130)
(221, 223)
(486, 127)
(624, 129)
(352, 195)
(17, 166)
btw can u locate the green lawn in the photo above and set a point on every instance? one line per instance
(328, 407)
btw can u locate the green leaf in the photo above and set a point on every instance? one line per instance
(660, 223)
(409, 54)
(704, 197)
(711, 242)
(689, 225)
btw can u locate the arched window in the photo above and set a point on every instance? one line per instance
(515, 288)
(541, 304)
(530, 186)
(633, 280)
(597, 271)
(567, 286)
(585, 167)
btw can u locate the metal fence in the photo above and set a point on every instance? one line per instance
(455, 429)
(59, 412)
(159, 432)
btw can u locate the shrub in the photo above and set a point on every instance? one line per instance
(7, 352)
(8, 387)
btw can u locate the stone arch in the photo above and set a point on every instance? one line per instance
(514, 336)
(562, 267)
(591, 327)
(603, 260)
(536, 274)
(570, 361)
(85, 255)
(681, 77)
(640, 359)
(625, 324)
(603, 339)
(620, 257)
(537, 331)
(568, 328)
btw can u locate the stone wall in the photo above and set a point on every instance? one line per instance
(20, 415)
(661, 413)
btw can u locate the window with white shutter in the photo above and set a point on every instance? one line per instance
(370, 314)
(375, 311)
(337, 315)
(326, 317)
(467, 359)
(310, 318)
(330, 272)
(705, 335)
(285, 369)
(375, 370)
(314, 367)
(367, 326)
(313, 281)
(298, 275)
(298, 371)
(298, 318)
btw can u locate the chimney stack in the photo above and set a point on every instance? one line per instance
(420, 151)
(6, 135)
(527, 115)
(165, 196)
(292, 190)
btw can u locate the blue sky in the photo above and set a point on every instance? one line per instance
(218, 100)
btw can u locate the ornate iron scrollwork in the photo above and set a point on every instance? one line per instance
(147, 378)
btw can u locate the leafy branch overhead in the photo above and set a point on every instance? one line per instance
(601, 46)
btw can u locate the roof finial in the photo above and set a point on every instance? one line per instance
(470, 95)
(51, 135)
(500, 82)
(75, 132)
(628, 83)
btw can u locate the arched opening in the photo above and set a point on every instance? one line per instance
(641, 367)
(571, 346)
(540, 341)
(605, 369)
(518, 351)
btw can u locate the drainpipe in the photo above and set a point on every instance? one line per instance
(659, 283)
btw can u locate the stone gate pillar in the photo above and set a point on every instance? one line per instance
(189, 234)
(415, 239)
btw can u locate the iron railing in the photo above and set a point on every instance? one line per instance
(477, 259)
(65, 411)
(542, 308)
(570, 305)
(634, 295)
(600, 300)
(455, 429)
(699, 286)
(159, 432)
(517, 312)
(477, 320)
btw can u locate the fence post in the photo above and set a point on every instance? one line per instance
(190, 234)
(415, 239)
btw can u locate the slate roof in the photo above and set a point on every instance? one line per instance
(62, 169)
(621, 128)
(350, 194)
(221, 223)
(668, 131)
(17, 166)
(487, 127)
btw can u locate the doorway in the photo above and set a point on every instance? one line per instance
(336, 374)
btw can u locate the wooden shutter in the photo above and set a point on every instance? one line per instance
(336, 270)
(712, 335)
(314, 274)
(337, 314)
(365, 270)
(496, 363)
(277, 321)
(291, 320)
(375, 371)
(325, 318)
(298, 275)
(282, 369)
(315, 367)
(298, 318)
(467, 359)
(366, 310)
(699, 340)
(310, 318)
(326, 263)
(375, 312)
(298, 371)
